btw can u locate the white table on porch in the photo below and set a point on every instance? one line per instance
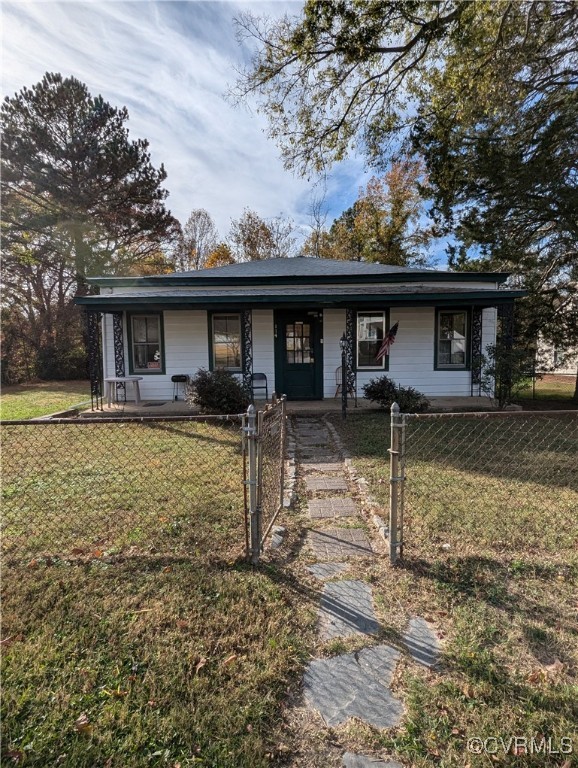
(111, 380)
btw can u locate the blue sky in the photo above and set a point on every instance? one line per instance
(171, 63)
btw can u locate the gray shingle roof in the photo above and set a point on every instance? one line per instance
(299, 266)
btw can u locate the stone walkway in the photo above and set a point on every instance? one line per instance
(350, 684)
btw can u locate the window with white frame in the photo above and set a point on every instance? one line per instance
(452, 338)
(146, 344)
(370, 333)
(226, 341)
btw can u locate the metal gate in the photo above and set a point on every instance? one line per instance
(264, 439)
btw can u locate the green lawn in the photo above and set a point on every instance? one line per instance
(550, 387)
(27, 401)
(134, 633)
(491, 559)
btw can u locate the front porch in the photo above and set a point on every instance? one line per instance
(297, 407)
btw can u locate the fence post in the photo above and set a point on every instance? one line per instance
(394, 480)
(253, 483)
(283, 447)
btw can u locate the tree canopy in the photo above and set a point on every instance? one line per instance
(199, 239)
(253, 239)
(79, 198)
(69, 167)
(484, 93)
(384, 225)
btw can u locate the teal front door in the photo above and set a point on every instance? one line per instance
(299, 355)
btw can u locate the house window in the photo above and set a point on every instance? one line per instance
(452, 339)
(146, 344)
(226, 342)
(371, 328)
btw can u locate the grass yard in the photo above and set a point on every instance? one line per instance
(491, 558)
(550, 387)
(27, 401)
(133, 632)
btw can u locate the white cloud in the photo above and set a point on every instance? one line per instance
(170, 64)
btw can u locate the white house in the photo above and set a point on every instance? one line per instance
(285, 318)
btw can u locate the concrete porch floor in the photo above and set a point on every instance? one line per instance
(329, 405)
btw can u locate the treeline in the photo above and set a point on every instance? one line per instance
(81, 199)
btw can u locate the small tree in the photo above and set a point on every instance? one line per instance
(506, 371)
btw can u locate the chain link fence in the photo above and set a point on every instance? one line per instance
(88, 487)
(265, 444)
(487, 479)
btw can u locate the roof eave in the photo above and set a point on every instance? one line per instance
(392, 277)
(110, 303)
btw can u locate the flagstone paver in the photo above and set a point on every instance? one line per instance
(314, 465)
(336, 506)
(350, 760)
(320, 453)
(314, 439)
(354, 685)
(326, 483)
(340, 543)
(351, 684)
(346, 609)
(422, 643)
(323, 571)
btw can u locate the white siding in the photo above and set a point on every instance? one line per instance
(333, 329)
(411, 360)
(411, 357)
(186, 350)
(263, 346)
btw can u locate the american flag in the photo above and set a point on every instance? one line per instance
(387, 342)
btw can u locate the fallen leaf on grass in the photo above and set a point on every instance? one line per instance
(182, 624)
(537, 676)
(555, 668)
(77, 551)
(468, 692)
(115, 693)
(82, 723)
(200, 664)
(230, 659)
(7, 641)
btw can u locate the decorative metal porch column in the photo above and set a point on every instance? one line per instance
(94, 358)
(118, 338)
(350, 373)
(247, 349)
(476, 386)
(505, 343)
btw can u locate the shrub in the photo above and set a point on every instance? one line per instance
(386, 392)
(217, 392)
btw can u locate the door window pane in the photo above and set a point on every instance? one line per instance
(298, 343)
